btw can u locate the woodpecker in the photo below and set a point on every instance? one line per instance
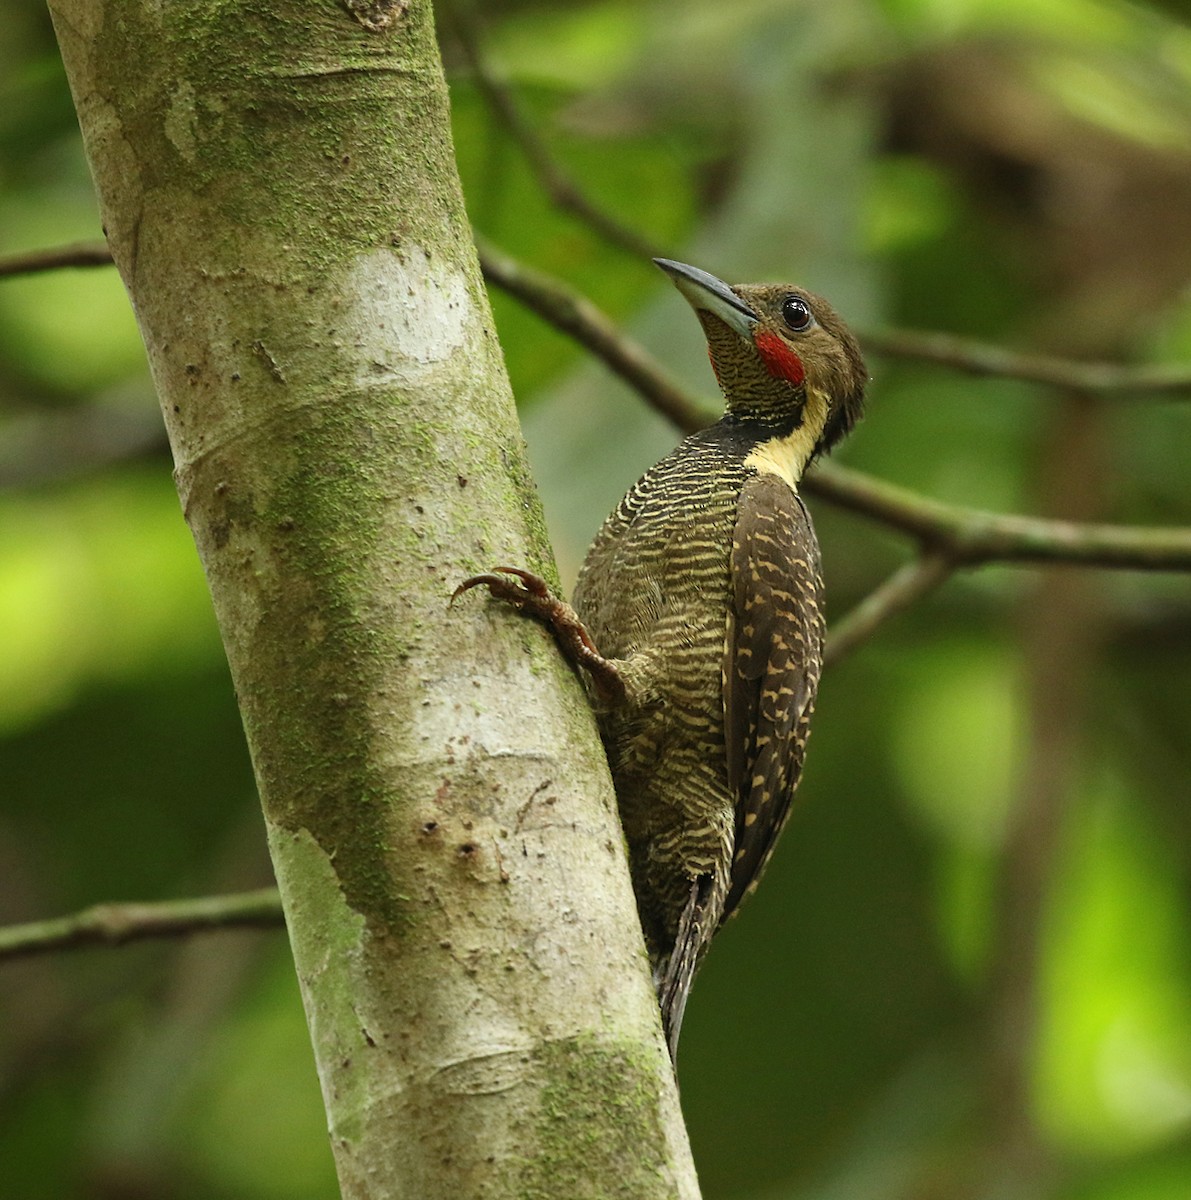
(698, 617)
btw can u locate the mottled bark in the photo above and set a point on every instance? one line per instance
(281, 199)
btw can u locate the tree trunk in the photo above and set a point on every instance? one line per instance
(281, 198)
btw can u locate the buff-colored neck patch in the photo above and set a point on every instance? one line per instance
(787, 456)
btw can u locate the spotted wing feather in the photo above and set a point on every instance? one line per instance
(772, 658)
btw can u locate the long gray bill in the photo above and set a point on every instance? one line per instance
(704, 291)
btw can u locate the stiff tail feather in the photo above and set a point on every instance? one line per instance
(676, 973)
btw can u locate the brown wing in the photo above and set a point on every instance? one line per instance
(772, 657)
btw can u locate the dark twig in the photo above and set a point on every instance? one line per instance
(965, 536)
(562, 190)
(50, 447)
(84, 254)
(979, 358)
(573, 314)
(942, 349)
(115, 924)
(903, 588)
(969, 536)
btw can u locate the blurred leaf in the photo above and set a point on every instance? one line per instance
(836, 1041)
(1116, 101)
(955, 746)
(97, 581)
(643, 174)
(1162, 1176)
(956, 742)
(579, 45)
(1115, 1061)
(910, 202)
(1097, 21)
(254, 1126)
(71, 330)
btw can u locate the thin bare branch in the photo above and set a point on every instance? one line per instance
(573, 314)
(561, 189)
(965, 536)
(969, 536)
(84, 254)
(943, 349)
(903, 588)
(979, 358)
(50, 447)
(116, 924)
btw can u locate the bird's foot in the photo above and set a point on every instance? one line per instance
(530, 594)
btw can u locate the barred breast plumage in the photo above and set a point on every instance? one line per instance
(699, 618)
(703, 586)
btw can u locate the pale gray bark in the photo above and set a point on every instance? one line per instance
(281, 199)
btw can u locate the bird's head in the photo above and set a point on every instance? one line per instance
(781, 354)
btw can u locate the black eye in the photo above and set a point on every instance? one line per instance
(796, 313)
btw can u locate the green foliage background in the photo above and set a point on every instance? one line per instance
(846, 1040)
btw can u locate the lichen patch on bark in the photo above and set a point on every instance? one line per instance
(409, 313)
(377, 15)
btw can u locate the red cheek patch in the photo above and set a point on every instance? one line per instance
(778, 358)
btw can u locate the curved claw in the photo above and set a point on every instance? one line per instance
(532, 587)
(530, 593)
(531, 582)
(473, 581)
